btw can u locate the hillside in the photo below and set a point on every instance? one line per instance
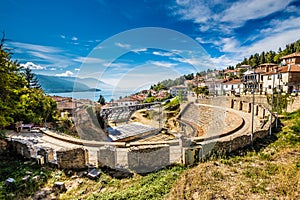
(55, 84)
(270, 170)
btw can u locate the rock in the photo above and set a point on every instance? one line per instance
(94, 173)
(60, 186)
(27, 162)
(26, 178)
(10, 182)
(28, 172)
(70, 173)
(43, 193)
(36, 178)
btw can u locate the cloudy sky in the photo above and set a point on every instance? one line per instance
(71, 37)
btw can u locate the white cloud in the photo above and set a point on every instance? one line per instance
(88, 60)
(35, 47)
(273, 42)
(118, 65)
(242, 11)
(31, 65)
(165, 54)
(163, 64)
(139, 50)
(77, 69)
(63, 36)
(124, 46)
(224, 15)
(52, 69)
(224, 61)
(67, 73)
(191, 61)
(74, 38)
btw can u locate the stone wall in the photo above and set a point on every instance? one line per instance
(72, 159)
(294, 104)
(20, 147)
(148, 158)
(107, 156)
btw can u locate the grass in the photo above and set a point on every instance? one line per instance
(151, 186)
(16, 168)
(271, 170)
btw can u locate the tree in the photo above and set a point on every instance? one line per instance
(31, 80)
(11, 83)
(17, 102)
(101, 100)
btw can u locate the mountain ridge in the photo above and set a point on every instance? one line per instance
(57, 84)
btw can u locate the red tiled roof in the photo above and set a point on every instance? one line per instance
(234, 81)
(268, 64)
(297, 54)
(285, 69)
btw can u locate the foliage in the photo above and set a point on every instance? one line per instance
(189, 76)
(11, 82)
(282, 102)
(166, 84)
(2, 134)
(31, 80)
(150, 99)
(270, 56)
(158, 87)
(101, 100)
(65, 125)
(19, 100)
(201, 90)
(13, 167)
(173, 105)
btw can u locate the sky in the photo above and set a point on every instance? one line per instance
(135, 43)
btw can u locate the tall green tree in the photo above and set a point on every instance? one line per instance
(31, 80)
(101, 100)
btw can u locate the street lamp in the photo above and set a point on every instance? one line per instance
(278, 92)
(270, 131)
(252, 122)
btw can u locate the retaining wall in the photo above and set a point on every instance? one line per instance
(72, 159)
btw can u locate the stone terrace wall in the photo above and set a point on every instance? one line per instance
(72, 159)
(148, 158)
(141, 159)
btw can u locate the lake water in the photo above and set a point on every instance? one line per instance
(94, 95)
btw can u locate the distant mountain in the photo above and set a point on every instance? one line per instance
(55, 84)
(90, 82)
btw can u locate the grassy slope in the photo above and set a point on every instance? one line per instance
(272, 172)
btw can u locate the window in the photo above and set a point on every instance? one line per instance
(269, 87)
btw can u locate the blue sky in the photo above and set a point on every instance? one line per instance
(60, 37)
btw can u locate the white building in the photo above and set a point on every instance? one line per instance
(234, 86)
(126, 102)
(176, 90)
(286, 78)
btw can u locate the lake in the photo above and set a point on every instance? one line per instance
(94, 95)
